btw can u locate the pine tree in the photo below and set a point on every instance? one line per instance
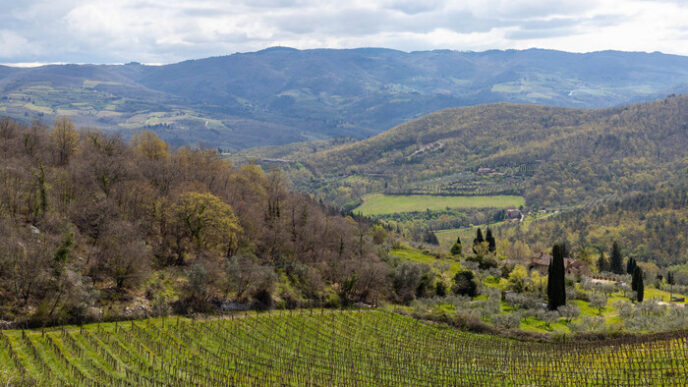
(492, 244)
(616, 261)
(602, 264)
(556, 285)
(637, 284)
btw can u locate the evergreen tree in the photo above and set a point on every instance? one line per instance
(456, 249)
(637, 284)
(492, 244)
(670, 281)
(602, 263)
(616, 261)
(458, 239)
(478, 240)
(630, 266)
(556, 285)
(430, 238)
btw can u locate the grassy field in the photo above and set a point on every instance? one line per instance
(448, 237)
(449, 266)
(380, 204)
(303, 348)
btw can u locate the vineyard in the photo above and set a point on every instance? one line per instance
(325, 348)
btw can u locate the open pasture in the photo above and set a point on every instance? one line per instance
(380, 204)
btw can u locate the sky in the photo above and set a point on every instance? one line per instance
(167, 31)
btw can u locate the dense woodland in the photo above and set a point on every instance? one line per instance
(94, 227)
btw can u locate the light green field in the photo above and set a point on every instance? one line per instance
(452, 266)
(448, 237)
(380, 204)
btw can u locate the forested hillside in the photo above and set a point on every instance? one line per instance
(96, 228)
(651, 227)
(282, 95)
(553, 156)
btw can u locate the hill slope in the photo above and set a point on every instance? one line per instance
(343, 349)
(282, 95)
(553, 156)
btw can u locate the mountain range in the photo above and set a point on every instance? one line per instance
(282, 95)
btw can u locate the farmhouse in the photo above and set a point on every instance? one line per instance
(485, 171)
(541, 263)
(513, 214)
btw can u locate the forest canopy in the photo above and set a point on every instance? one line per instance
(94, 227)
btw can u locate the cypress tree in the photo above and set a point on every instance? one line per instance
(670, 281)
(556, 285)
(616, 261)
(630, 266)
(492, 244)
(478, 240)
(479, 236)
(637, 284)
(602, 264)
(456, 249)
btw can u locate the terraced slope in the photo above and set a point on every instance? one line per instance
(355, 348)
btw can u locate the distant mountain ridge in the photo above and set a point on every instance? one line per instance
(282, 95)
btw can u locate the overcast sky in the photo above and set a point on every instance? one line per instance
(165, 31)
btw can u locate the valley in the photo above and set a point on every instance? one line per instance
(281, 95)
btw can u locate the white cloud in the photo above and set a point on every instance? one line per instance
(164, 31)
(14, 45)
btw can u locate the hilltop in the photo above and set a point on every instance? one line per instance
(282, 95)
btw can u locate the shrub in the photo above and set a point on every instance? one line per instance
(464, 283)
(507, 320)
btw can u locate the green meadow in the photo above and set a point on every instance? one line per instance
(381, 204)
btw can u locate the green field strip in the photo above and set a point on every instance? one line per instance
(381, 204)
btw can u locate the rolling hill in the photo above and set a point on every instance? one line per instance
(553, 156)
(282, 95)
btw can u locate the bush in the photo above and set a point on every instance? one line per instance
(456, 249)
(441, 288)
(569, 311)
(507, 320)
(524, 301)
(484, 262)
(464, 283)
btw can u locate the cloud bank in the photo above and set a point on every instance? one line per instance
(158, 31)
